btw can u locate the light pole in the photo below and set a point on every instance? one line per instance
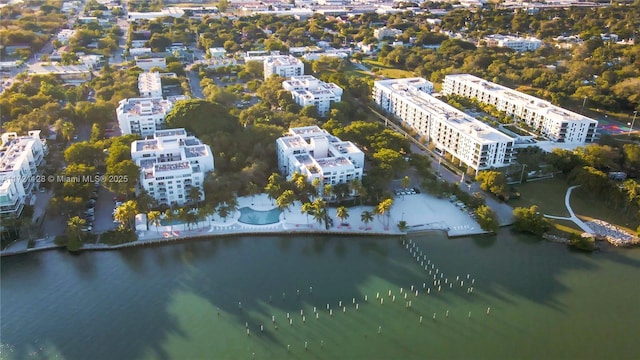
(583, 103)
(635, 113)
(522, 173)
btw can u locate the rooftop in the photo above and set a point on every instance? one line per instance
(145, 106)
(531, 102)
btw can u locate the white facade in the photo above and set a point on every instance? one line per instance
(316, 154)
(20, 157)
(285, 66)
(64, 35)
(150, 85)
(307, 90)
(516, 43)
(217, 52)
(147, 64)
(384, 32)
(72, 74)
(142, 116)
(553, 122)
(171, 163)
(474, 143)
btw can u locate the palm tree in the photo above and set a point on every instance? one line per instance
(342, 213)
(316, 185)
(191, 217)
(366, 217)
(383, 208)
(320, 211)
(232, 204)
(252, 188)
(223, 211)
(207, 211)
(125, 213)
(74, 227)
(307, 209)
(194, 194)
(357, 189)
(154, 219)
(169, 216)
(327, 191)
(182, 215)
(285, 200)
(402, 226)
(274, 186)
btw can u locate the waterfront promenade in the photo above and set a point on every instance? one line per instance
(421, 212)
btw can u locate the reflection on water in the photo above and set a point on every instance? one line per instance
(200, 299)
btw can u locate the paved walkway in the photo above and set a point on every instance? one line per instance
(573, 216)
(421, 212)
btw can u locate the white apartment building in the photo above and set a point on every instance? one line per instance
(150, 85)
(20, 157)
(316, 154)
(142, 116)
(386, 32)
(472, 142)
(171, 163)
(555, 123)
(147, 64)
(283, 65)
(307, 90)
(516, 43)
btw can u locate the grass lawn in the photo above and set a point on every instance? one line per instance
(388, 71)
(549, 196)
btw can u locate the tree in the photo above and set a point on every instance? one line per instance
(307, 209)
(366, 217)
(530, 220)
(169, 217)
(252, 189)
(68, 130)
(122, 177)
(145, 201)
(357, 189)
(223, 5)
(319, 207)
(194, 194)
(487, 218)
(494, 182)
(342, 213)
(195, 116)
(384, 207)
(83, 153)
(405, 182)
(206, 211)
(402, 225)
(154, 218)
(74, 230)
(125, 214)
(327, 191)
(274, 186)
(285, 200)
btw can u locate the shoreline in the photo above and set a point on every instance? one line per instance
(422, 213)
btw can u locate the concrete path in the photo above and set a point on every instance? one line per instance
(573, 216)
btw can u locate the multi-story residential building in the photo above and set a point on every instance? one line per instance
(555, 123)
(20, 157)
(143, 116)
(472, 142)
(385, 32)
(73, 74)
(307, 90)
(150, 85)
(316, 154)
(171, 163)
(516, 43)
(283, 65)
(147, 64)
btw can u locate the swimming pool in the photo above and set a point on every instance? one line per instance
(256, 217)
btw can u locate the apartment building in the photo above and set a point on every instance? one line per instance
(171, 163)
(307, 90)
(516, 43)
(150, 85)
(142, 116)
(553, 122)
(472, 142)
(285, 66)
(20, 157)
(313, 152)
(147, 64)
(386, 32)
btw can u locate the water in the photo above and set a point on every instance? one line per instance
(181, 301)
(257, 217)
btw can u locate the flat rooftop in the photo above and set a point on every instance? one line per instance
(531, 102)
(145, 106)
(455, 118)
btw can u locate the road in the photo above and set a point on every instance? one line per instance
(194, 83)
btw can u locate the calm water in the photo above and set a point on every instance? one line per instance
(163, 302)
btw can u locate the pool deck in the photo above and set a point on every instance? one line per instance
(422, 212)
